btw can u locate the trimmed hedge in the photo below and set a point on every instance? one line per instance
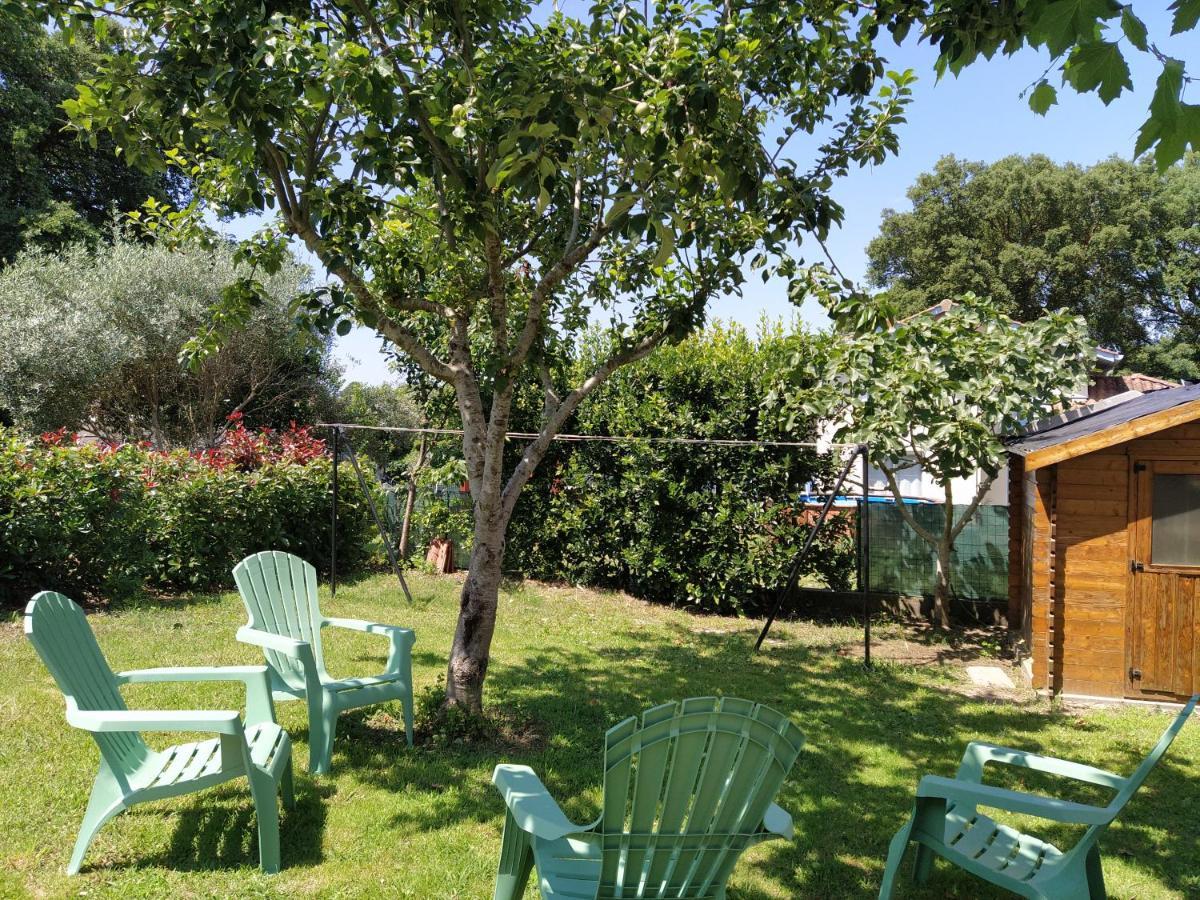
(710, 527)
(102, 522)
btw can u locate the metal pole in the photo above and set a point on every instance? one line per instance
(334, 520)
(865, 531)
(794, 575)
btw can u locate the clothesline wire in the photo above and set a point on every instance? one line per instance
(528, 436)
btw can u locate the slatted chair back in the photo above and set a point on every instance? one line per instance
(62, 637)
(279, 591)
(685, 792)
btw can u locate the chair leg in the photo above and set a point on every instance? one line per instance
(322, 724)
(1095, 874)
(895, 856)
(266, 809)
(105, 802)
(516, 861)
(407, 703)
(923, 865)
(287, 786)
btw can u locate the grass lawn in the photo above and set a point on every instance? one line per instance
(425, 822)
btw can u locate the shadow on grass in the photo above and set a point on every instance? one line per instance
(870, 734)
(218, 829)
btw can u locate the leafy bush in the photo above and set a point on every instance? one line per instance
(102, 520)
(708, 526)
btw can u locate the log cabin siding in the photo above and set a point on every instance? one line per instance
(1092, 555)
(1074, 539)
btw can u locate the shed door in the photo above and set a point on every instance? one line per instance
(1164, 608)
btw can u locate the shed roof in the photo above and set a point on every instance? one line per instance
(1106, 427)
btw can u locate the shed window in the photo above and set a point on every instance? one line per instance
(1175, 524)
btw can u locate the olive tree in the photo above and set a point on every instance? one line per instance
(939, 391)
(92, 339)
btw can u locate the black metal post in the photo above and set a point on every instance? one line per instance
(865, 563)
(794, 574)
(334, 520)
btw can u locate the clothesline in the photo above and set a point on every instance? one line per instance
(527, 436)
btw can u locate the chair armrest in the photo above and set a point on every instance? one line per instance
(245, 674)
(277, 642)
(933, 786)
(362, 625)
(530, 804)
(978, 754)
(402, 638)
(778, 821)
(259, 707)
(221, 722)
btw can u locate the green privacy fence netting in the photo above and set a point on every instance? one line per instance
(904, 564)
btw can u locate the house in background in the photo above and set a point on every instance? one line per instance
(1104, 547)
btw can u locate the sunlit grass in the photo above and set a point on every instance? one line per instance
(425, 822)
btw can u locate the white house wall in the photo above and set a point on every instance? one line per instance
(916, 484)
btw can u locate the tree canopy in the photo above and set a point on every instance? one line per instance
(1117, 243)
(54, 188)
(92, 341)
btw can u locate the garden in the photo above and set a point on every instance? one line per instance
(268, 628)
(425, 821)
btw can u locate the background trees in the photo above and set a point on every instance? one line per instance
(56, 189)
(1117, 243)
(92, 341)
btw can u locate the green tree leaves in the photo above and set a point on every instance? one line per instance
(938, 389)
(1100, 67)
(1087, 41)
(56, 190)
(1115, 243)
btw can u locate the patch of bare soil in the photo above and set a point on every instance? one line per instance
(956, 649)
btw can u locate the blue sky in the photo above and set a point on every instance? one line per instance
(979, 115)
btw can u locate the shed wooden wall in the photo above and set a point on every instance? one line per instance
(1091, 553)
(1077, 516)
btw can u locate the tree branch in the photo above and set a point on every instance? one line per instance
(974, 505)
(301, 226)
(922, 532)
(553, 423)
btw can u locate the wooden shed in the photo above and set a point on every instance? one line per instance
(1104, 548)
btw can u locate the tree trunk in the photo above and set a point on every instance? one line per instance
(940, 614)
(471, 649)
(410, 500)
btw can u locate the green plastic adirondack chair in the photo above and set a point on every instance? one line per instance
(279, 591)
(130, 772)
(946, 822)
(684, 794)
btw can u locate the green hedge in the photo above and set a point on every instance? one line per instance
(102, 522)
(711, 527)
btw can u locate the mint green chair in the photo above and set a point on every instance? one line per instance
(685, 792)
(130, 772)
(946, 822)
(279, 591)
